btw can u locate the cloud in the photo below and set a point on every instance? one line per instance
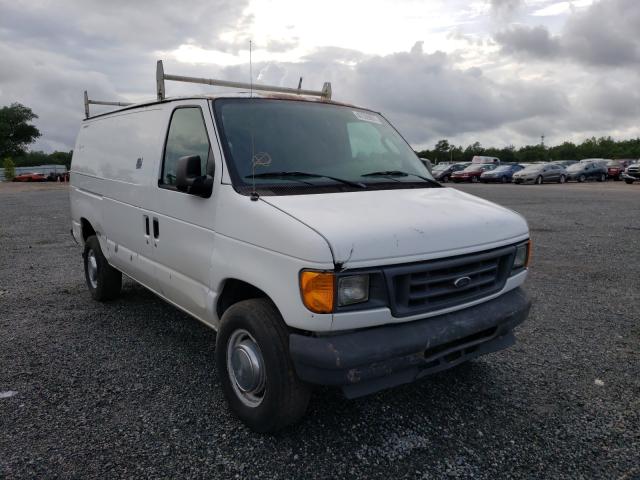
(605, 34)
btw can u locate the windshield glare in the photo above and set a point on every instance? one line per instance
(315, 138)
(533, 168)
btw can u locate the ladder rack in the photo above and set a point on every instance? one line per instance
(325, 93)
(161, 77)
(88, 102)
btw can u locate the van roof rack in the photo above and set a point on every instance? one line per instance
(325, 93)
(88, 102)
(161, 77)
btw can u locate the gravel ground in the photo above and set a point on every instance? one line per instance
(129, 388)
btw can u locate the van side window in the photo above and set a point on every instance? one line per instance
(187, 136)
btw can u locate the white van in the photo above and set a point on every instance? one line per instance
(306, 232)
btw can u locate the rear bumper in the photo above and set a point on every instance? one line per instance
(365, 361)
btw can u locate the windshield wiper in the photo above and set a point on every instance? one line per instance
(286, 174)
(398, 173)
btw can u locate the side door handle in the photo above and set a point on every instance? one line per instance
(156, 228)
(146, 225)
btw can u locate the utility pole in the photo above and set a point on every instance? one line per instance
(542, 140)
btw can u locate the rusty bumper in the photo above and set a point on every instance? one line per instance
(365, 361)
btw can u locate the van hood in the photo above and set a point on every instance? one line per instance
(388, 225)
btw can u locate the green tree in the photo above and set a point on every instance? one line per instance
(9, 169)
(16, 132)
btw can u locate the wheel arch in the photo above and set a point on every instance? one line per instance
(234, 290)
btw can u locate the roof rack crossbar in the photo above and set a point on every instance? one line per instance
(88, 102)
(161, 77)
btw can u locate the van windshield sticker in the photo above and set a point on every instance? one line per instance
(367, 117)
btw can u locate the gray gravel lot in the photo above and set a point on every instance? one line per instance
(129, 388)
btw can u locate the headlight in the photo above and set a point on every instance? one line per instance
(523, 254)
(353, 289)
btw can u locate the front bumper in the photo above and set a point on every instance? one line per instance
(626, 176)
(523, 179)
(365, 361)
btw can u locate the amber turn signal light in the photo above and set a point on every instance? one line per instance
(317, 289)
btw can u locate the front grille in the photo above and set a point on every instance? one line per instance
(429, 286)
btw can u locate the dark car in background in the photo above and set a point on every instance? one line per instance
(583, 171)
(472, 172)
(443, 171)
(502, 173)
(615, 168)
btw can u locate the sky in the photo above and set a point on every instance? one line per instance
(500, 72)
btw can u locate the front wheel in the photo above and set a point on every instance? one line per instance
(475, 179)
(562, 179)
(255, 368)
(539, 180)
(445, 179)
(582, 178)
(104, 281)
(602, 178)
(504, 179)
(627, 181)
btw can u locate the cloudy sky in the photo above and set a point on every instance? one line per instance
(497, 71)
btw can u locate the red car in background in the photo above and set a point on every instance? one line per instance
(30, 177)
(472, 172)
(615, 168)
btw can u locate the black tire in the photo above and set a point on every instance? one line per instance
(445, 179)
(284, 398)
(105, 282)
(602, 177)
(539, 180)
(504, 179)
(627, 181)
(582, 178)
(562, 179)
(475, 179)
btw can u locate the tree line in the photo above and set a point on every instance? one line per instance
(603, 147)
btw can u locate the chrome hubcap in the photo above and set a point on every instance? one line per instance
(92, 268)
(246, 368)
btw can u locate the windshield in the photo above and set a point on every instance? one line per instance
(473, 168)
(440, 168)
(301, 145)
(503, 168)
(614, 163)
(533, 168)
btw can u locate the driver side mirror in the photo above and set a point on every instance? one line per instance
(189, 178)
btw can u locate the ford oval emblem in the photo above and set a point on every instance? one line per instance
(462, 282)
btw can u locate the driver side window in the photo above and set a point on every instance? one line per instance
(187, 136)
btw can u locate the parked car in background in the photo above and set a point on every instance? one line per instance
(583, 171)
(443, 171)
(502, 173)
(472, 172)
(541, 172)
(615, 168)
(632, 173)
(30, 177)
(565, 163)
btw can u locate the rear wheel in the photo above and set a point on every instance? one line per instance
(255, 368)
(504, 179)
(475, 179)
(104, 281)
(628, 181)
(602, 177)
(539, 180)
(445, 179)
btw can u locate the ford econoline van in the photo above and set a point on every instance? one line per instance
(306, 232)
